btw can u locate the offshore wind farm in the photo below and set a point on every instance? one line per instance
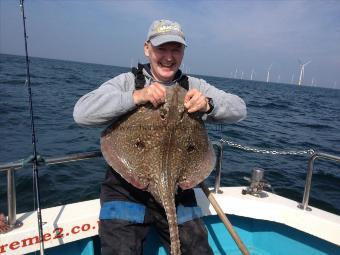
(302, 71)
(237, 74)
(222, 37)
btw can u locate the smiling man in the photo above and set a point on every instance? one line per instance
(127, 212)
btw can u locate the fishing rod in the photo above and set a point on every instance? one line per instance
(34, 159)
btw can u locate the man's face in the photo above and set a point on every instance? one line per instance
(165, 59)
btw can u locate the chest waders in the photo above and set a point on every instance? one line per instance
(127, 212)
(132, 210)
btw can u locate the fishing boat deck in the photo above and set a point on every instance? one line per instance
(274, 208)
(68, 223)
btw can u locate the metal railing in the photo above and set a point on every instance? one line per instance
(51, 161)
(218, 166)
(218, 145)
(12, 167)
(308, 183)
(313, 157)
(11, 199)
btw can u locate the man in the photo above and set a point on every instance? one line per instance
(127, 212)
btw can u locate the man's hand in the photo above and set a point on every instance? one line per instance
(154, 93)
(195, 101)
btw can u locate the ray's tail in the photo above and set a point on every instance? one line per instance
(170, 210)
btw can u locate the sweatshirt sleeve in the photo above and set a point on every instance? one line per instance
(228, 108)
(106, 103)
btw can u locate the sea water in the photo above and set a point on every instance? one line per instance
(280, 117)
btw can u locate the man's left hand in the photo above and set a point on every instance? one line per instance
(195, 101)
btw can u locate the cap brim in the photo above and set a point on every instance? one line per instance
(161, 39)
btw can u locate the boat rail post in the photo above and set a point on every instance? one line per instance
(306, 193)
(11, 198)
(218, 167)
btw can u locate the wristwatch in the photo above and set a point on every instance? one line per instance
(211, 105)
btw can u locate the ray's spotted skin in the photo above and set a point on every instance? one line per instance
(160, 149)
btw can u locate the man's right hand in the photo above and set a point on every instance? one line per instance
(155, 93)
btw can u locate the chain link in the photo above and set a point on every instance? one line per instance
(264, 151)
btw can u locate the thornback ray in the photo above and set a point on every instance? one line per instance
(159, 149)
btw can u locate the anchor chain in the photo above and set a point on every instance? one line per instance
(266, 151)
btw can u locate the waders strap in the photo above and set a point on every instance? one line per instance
(139, 76)
(183, 82)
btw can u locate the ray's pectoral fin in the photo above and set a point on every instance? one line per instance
(197, 171)
(127, 159)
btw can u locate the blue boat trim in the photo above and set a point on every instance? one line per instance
(261, 237)
(122, 210)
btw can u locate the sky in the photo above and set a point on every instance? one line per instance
(222, 36)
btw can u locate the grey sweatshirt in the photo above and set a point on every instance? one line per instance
(113, 98)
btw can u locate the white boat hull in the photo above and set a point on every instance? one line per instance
(78, 221)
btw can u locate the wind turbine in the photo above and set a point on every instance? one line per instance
(242, 76)
(292, 80)
(268, 71)
(278, 78)
(302, 71)
(251, 75)
(235, 73)
(185, 68)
